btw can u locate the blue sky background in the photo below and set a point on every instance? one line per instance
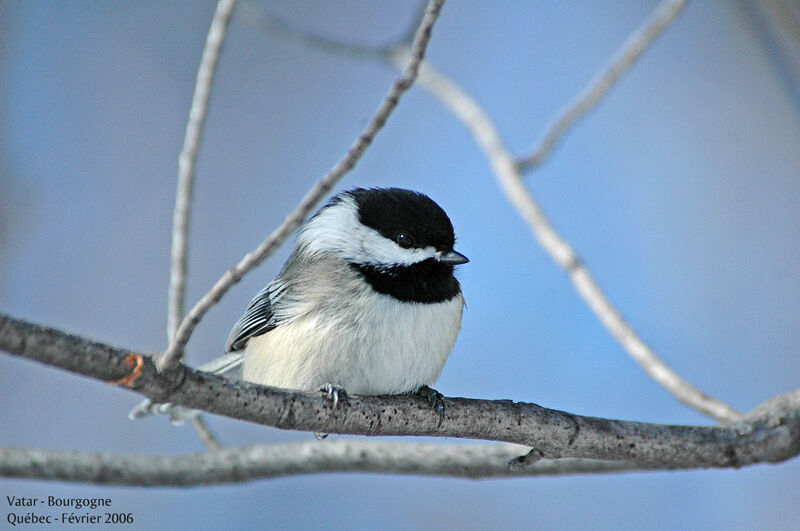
(680, 192)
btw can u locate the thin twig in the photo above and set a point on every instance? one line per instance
(186, 170)
(186, 163)
(254, 15)
(206, 435)
(620, 62)
(171, 356)
(249, 463)
(507, 172)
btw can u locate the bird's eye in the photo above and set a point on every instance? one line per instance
(404, 240)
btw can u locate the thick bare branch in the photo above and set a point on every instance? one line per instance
(186, 163)
(666, 12)
(236, 465)
(770, 434)
(171, 356)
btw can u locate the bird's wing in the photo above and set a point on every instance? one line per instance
(258, 319)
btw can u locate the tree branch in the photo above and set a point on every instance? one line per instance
(633, 47)
(236, 465)
(770, 434)
(187, 159)
(183, 195)
(207, 436)
(171, 356)
(257, 17)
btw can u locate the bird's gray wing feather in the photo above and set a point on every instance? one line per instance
(261, 316)
(258, 319)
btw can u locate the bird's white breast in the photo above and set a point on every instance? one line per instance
(346, 334)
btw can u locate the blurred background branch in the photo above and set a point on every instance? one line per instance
(250, 463)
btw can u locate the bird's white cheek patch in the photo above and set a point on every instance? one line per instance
(377, 250)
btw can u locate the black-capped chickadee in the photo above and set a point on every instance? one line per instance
(367, 303)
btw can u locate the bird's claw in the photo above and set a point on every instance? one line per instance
(333, 394)
(435, 399)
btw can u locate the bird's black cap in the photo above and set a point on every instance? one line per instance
(395, 211)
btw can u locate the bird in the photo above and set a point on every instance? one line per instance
(367, 303)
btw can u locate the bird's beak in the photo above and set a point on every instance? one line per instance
(453, 257)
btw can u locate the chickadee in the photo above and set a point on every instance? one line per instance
(367, 302)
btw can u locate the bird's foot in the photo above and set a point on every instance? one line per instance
(333, 394)
(435, 399)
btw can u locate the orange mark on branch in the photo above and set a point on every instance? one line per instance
(135, 362)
